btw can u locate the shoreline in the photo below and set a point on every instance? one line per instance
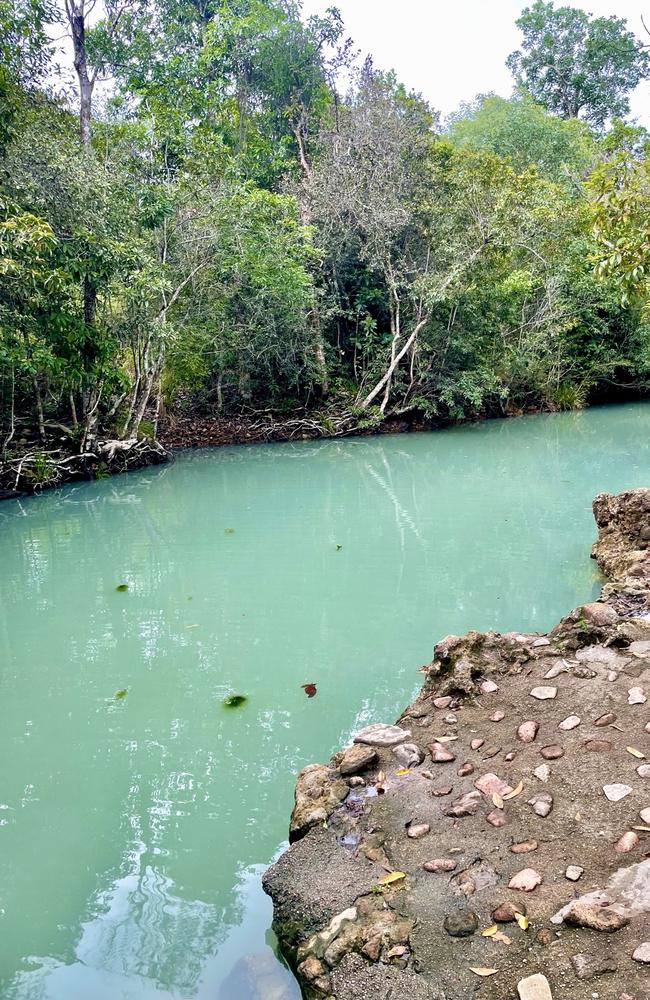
(498, 836)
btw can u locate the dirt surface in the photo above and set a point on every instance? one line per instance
(518, 783)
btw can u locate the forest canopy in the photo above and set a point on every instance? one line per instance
(235, 214)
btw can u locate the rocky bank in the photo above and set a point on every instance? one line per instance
(495, 841)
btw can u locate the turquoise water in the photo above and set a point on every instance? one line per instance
(133, 830)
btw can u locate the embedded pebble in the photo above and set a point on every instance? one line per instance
(642, 953)
(526, 880)
(574, 872)
(636, 696)
(442, 702)
(408, 754)
(643, 770)
(491, 783)
(616, 792)
(524, 847)
(488, 687)
(645, 816)
(442, 790)
(497, 717)
(451, 720)
(541, 642)
(543, 693)
(465, 769)
(556, 670)
(477, 744)
(569, 723)
(647, 727)
(427, 774)
(440, 865)
(527, 731)
(506, 913)
(584, 673)
(626, 843)
(542, 804)
(597, 746)
(440, 754)
(496, 818)
(466, 805)
(534, 988)
(491, 752)
(552, 752)
(595, 916)
(611, 675)
(417, 830)
(543, 772)
(461, 923)
(510, 756)
(590, 967)
(605, 720)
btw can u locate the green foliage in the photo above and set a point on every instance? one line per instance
(578, 65)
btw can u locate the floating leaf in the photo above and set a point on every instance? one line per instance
(402, 770)
(490, 931)
(635, 753)
(391, 877)
(229, 531)
(121, 587)
(515, 791)
(497, 800)
(309, 689)
(338, 548)
(191, 626)
(523, 921)
(122, 693)
(482, 971)
(235, 700)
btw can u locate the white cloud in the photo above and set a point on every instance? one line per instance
(450, 51)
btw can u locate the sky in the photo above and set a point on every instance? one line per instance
(452, 50)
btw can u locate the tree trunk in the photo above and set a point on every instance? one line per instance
(77, 21)
(39, 408)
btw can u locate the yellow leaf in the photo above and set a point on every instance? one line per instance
(489, 931)
(402, 770)
(391, 877)
(643, 829)
(446, 739)
(497, 800)
(515, 791)
(481, 971)
(523, 921)
(635, 753)
(380, 777)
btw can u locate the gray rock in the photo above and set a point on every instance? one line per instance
(591, 966)
(574, 872)
(544, 693)
(642, 953)
(461, 923)
(542, 804)
(381, 735)
(616, 792)
(569, 723)
(357, 758)
(534, 988)
(408, 754)
(466, 805)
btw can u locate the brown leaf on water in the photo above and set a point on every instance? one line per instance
(482, 971)
(309, 689)
(515, 791)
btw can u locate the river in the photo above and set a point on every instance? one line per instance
(136, 811)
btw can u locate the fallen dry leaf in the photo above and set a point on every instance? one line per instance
(446, 739)
(503, 938)
(481, 971)
(635, 753)
(515, 791)
(490, 931)
(643, 829)
(497, 800)
(523, 921)
(401, 771)
(391, 877)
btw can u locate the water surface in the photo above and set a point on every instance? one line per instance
(133, 831)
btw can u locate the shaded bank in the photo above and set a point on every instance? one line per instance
(498, 836)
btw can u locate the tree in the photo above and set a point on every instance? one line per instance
(576, 65)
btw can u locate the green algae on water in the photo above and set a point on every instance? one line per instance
(121, 587)
(235, 700)
(122, 693)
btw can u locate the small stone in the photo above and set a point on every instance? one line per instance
(451, 720)
(506, 913)
(461, 923)
(642, 953)
(510, 756)
(534, 988)
(526, 880)
(643, 770)
(541, 642)
(496, 818)
(440, 754)
(524, 847)
(417, 830)
(574, 872)
(647, 727)
(598, 918)
(441, 790)
(372, 948)
(488, 687)
(605, 720)
(497, 717)
(589, 967)
(477, 744)
(491, 752)
(584, 673)
(636, 696)
(544, 693)
(465, 769)
(556, 670)
(381, 735)
(442, 702)
(597, 746)
(357, 758)
(466, 805)
(408, 754)
(599, 614)
(544, 937)
(356, 781)
(569, 723)
(527, 731)
(626, 843)
(440, 865)
(543, 772)
(611, 675)
(491, 783)
(311, 968)
(542, 804)
(616, 792)
(645, 816)
(552, 752)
